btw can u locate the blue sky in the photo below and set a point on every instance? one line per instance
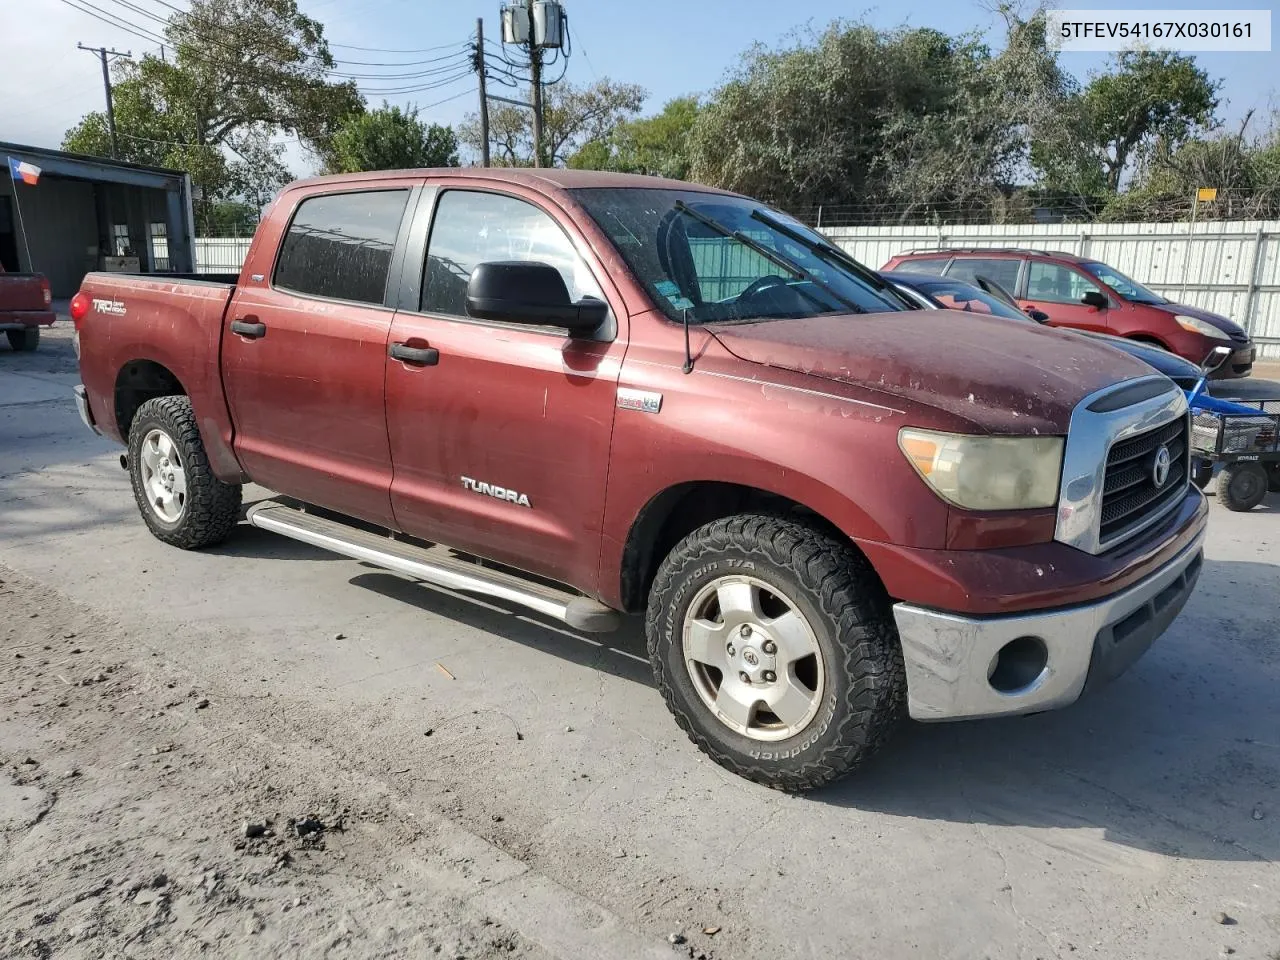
(670, 47)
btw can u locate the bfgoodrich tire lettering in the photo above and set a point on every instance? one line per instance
(863, 682)
(210, 508)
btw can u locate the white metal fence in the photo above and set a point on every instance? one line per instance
(1230, 267)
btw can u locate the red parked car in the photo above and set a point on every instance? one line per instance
(1088, 295)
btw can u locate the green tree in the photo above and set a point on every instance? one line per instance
(657, 145)
(854, 115)
(391, 139)
(572, 116)
(1147, 100)
(241, 71)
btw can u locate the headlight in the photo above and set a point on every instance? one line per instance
(1196, 325)
(986, 473)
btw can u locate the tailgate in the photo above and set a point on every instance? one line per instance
(23, 291)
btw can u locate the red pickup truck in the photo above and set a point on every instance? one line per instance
(595, 394)
(25, 307)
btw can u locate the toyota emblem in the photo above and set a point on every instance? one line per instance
(1160, 467)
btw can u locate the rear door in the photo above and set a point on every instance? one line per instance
(501, 440)
(1057, 290)
(305, 348)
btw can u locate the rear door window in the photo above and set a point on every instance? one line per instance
(1003, 270)
(1054, 283)
(929, 265)
(339, 245)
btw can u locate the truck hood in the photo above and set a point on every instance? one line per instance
(1229, 327)
(999, 375)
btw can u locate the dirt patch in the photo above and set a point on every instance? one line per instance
(140, 817)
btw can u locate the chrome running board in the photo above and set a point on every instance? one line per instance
(436, 565)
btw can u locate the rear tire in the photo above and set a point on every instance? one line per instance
(809, 681)
(24, 340)
(181, 501)
(1241, 486)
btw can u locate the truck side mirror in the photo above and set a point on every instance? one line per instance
(524, 291)
(1216, 358)
(1095, 298)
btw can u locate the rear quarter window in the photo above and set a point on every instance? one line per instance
(339, 245)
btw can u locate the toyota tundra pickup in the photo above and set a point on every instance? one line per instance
(592, 395)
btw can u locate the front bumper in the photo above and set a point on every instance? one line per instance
(951, 659)
(1240, 363)
(82, 405)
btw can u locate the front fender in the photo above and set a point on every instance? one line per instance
(801, 438)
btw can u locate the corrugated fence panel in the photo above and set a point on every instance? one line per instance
(221, 254)
(1229, 267)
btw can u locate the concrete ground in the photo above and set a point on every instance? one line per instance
(466, 780)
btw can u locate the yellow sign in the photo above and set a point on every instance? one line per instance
(1207, 194)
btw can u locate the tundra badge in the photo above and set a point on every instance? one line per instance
(642, 400)
(498, 493)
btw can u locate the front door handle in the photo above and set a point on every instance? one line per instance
(249, 328)
(422, 356)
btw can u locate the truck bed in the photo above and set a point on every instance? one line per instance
(173, 321)
(24, 300)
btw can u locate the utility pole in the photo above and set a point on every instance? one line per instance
(484, 97)
(103, 54)
(535, 84)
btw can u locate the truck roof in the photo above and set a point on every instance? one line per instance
(542, 176)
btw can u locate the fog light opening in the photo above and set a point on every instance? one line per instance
(1019, 665)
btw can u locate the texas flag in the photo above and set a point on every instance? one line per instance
(28, 173)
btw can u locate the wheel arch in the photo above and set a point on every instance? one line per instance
(675, 512)
(137, 382)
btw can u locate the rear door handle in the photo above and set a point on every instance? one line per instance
(249, 328)
(423, 356)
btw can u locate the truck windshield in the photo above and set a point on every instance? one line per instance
(725, 259)
(1131, 290)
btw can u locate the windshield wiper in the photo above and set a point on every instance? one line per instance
(827, 251)
(797, 271)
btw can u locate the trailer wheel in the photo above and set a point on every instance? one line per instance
(1241, 486)
(181, 501)
(24, 340)
(775, 648)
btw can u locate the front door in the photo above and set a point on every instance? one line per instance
(500, 438)
(304, 359)
(1058, 291)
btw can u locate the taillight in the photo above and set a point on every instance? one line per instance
(79, 308)
(48, 294)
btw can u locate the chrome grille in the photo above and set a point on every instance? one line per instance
(1130, 496)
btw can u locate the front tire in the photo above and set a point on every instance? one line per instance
(25, 340)
(774, 647)
(181, 501)
(1241, 486)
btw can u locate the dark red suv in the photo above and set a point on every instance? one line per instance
(1088, 295)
